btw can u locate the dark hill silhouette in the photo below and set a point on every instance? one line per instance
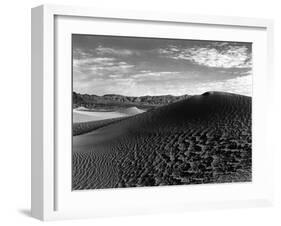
(114, 100)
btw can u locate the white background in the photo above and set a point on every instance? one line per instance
(15, 112)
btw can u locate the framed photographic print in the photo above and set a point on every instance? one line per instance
(141, 112)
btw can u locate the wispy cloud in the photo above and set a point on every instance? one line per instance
(144, 66)
(114, 51)
(240, 85)
(86, 61)
(150, 74)
(100, 65)
(219, 55)
(78, 53)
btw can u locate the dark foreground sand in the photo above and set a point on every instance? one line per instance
(204, 139)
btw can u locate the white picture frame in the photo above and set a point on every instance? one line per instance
(52, 197)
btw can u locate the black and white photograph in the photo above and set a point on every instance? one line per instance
(160, 112)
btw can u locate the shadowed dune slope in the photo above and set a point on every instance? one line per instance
(86, 127)
(203, 139)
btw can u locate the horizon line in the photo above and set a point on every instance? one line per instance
(112, 94)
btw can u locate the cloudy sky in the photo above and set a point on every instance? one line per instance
(149, 66)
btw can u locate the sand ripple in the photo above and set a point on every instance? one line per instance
(204, 139)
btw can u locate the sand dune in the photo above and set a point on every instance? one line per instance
(81, 108)
(203, 139)
(85, 127)
(131, 111)
(83, 114)
(87, 116)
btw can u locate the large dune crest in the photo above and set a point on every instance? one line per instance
(201, 139)
(210, 108)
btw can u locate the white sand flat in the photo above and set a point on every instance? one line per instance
(86, 116)
(82, 115)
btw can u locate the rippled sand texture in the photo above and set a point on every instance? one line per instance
(204, 139)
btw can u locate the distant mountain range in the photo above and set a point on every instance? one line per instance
(119, 101)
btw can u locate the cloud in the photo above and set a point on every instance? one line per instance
(100, 65)
(170, 67)
(217, 55)
(239, 85)
(150, 74)
(115, 76)
(109, 68)
(100, 50)
(79, 54)
(91, 61)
